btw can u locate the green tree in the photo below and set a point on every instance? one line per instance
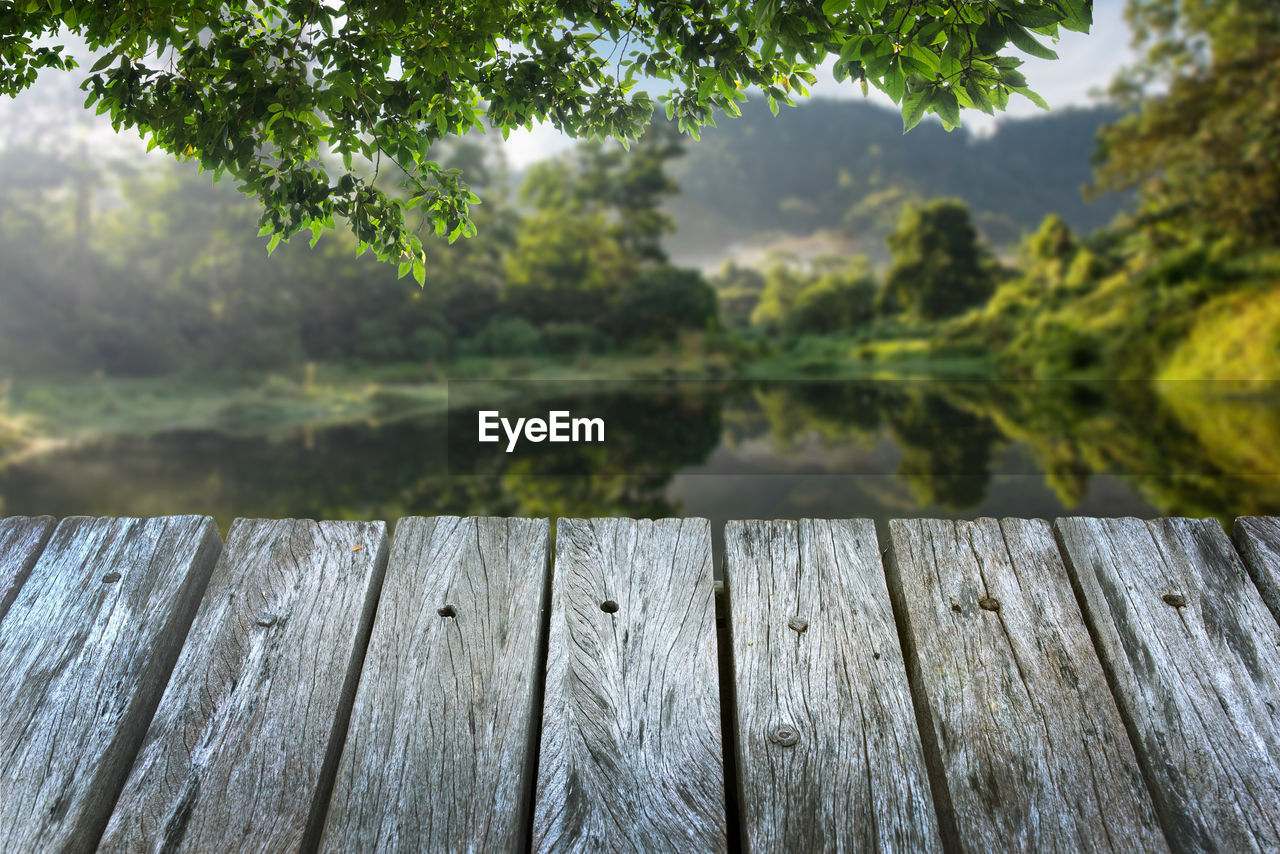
(663, 301)
(783, 283)
(939, 269)
(566, 268)
(262, 89)
(838, 299)
(1046, 256)
(1201, 146)
(737, 290)
(627, 185)
(596, 226)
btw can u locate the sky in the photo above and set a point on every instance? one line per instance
(1085, 64)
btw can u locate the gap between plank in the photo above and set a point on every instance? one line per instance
(533, 750)
(733, 794)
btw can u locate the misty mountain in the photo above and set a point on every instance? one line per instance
(832, 175)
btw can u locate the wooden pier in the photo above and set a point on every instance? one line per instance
(487, 684)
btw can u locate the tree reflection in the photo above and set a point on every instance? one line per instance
(1186, 448)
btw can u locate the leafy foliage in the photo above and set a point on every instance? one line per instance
(1201, 148)
(938, 267)
(661, 302)
(265, 90)
(834, 294)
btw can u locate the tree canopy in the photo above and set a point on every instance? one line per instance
(284, 95)
(939, 268)
(1200, 146)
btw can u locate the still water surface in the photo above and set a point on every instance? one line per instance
(735, 450)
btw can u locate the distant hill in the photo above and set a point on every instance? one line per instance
(832, 175)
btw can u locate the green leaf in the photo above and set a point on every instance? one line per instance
(978, 96)
(103, 62)
(948, 108)
(895, 84)
(913, 108)
(1032, 97)
(1033, 15)
(1028, 44)
(1079, 15)
(1014, 79)
(991, 36)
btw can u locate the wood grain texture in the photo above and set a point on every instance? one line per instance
(1258, 540)
(84, 654)
(631, 755)
(1193, 656)
(1032, 748)
(438, 754)
(829, 757)
(21, 540)
(245, 740)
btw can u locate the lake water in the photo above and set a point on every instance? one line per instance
(732, 450)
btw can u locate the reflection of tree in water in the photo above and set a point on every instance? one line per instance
(946, 456)
(386, 472)
(1184, 453)
(946, 449)
(840, 413)
(1185, 447)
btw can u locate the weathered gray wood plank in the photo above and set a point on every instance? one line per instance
(631, 756)
(1258, 540)
(246, 738)
(438, 754)
(1193, 657)
(829, 756)
(21, 539)
(1022, 725)
(84, 654)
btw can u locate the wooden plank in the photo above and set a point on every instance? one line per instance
(21, 540)
(243, 746)
(631, 756)
(829, 756)
(1020, 721)
(1193, 656)
(84, 654)
(1258, 540)
(438, 756)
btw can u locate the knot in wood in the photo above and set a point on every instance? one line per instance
(111, 578)
(989, 603)
(800, 624)
(266, 622)
(784, 735)
(1176, 600)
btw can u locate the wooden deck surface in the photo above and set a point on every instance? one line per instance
(484, 684)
